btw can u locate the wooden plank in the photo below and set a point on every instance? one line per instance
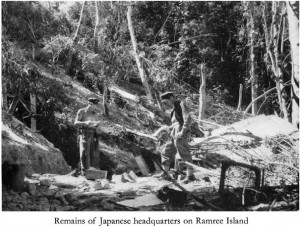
(95, 174)
(142, 165)
(157, 168)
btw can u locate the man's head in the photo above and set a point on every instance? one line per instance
(168, 97)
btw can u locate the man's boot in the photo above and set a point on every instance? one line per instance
(162, 175)
(189, 176)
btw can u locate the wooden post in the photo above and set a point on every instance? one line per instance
(33, 110)
(202, 100)
(239, 108)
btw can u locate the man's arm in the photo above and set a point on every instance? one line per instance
(88, 123)
(187, 120)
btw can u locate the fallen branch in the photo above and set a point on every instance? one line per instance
(209, 122)
(125, 94)
(284, 164)
(137, 133)
(203, 170)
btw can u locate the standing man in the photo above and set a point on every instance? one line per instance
(181, 121)
(87, 119)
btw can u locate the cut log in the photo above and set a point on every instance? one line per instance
(124, 94)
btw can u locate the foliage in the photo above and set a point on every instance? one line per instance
(174, 39)
(52, 121)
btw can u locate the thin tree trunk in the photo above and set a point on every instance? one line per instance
(75, 40)
(293, 19)
(136, 55)
(158, 99)
(96, 29)
(33, 52)
(239, 108)
(273, 53)
(253, 76)
(105, 107)
(33, 110)
(97, 24)
(4, 96)
(202, 97)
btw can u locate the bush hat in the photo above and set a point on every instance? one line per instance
(166, 95)
(94, 100)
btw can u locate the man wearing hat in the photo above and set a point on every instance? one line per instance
(181, 121)
(87, 119)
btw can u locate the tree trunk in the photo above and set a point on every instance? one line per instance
(4, 96)
(97, 24)
(33, 110)
(293, 20)
(239, 108)
(202, 100)
(136, 55)
(105, 107)
(75, 40)
(253, 76)
(96, 29)
(273, 53)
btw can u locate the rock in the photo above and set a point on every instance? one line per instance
(68, 208)
(8, 198)
(133, 176)
(32, 149)
(45, 182)
(30, 187)
(96, 186)
(127, 178)
(70, 197)
(43, 200)
(58, 208)
(35, 175)
(55, 202)
(24, 195)
(46, 207)
(107, 206)
(129, 193)
(49, 192)
(59, 194)
(64, 185)
(105, 184)
(53, 187)
(12, 206)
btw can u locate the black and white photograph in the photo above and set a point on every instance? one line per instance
(150, 106)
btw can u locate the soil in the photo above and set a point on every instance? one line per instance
(280, 191)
